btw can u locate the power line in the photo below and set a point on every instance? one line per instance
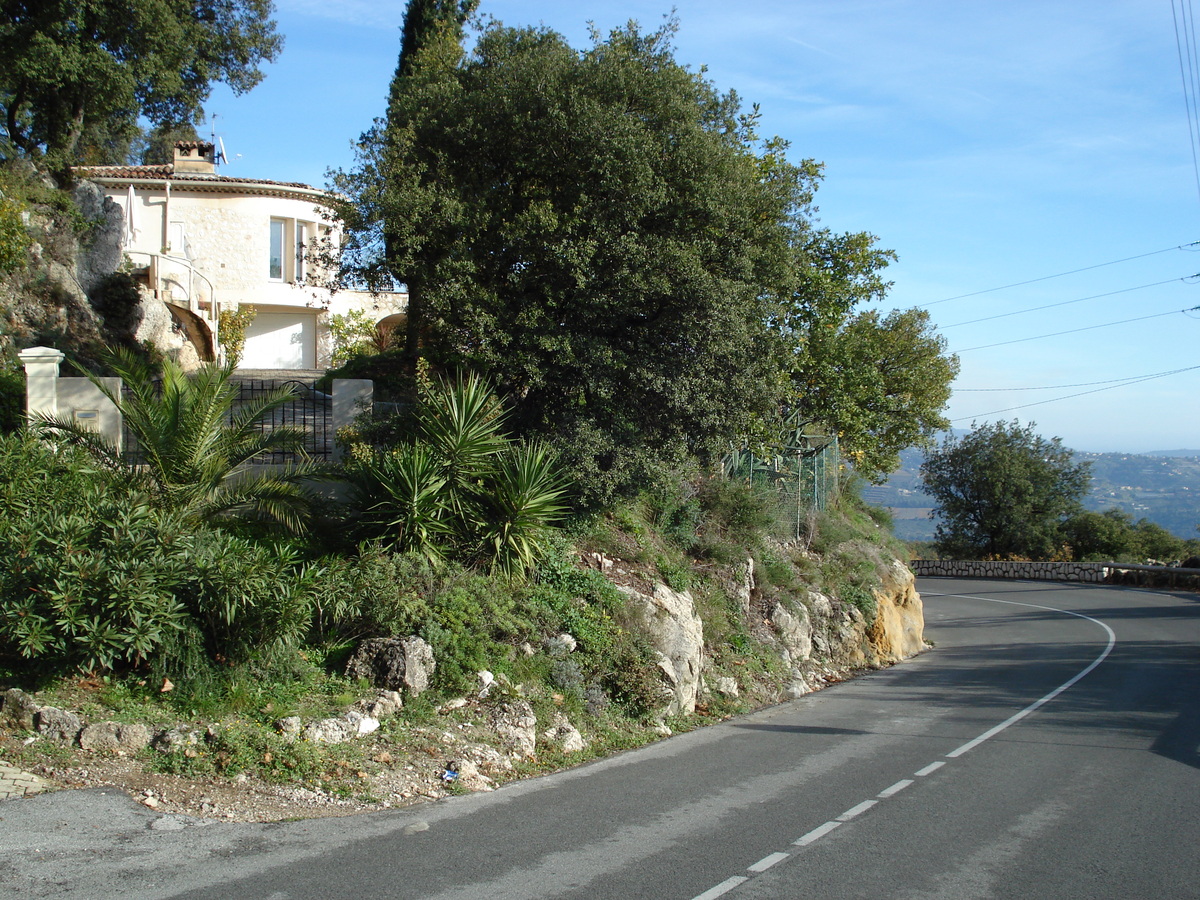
(1038, 337)
(1182, 39)
(1140, 287)
(1072, 396)
(1114, 262)
(1063, 387)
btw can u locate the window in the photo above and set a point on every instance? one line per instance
(277, 244)
(289, 250)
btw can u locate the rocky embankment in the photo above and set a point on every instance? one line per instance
(475, 741)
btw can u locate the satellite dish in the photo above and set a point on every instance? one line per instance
(221, 157)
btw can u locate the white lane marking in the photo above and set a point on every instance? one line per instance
(856, 810)
(723, 888)
(816, 834)
(767, 861)
(821, 830)
(894, 789)
(1037, 704)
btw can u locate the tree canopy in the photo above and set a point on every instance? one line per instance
(596, 231)
(879, 382)
(1003, 491)
(604, 234)
(70, 66)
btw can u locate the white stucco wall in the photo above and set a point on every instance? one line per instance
(227, 237)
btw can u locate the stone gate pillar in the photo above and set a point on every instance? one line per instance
(41, 380)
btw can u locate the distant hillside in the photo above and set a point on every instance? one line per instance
(1162, 486)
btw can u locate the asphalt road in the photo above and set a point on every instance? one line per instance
(1047, 748)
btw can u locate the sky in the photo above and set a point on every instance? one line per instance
(987, 144)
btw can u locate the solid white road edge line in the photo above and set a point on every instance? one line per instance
(820, 831)
(1037, 704)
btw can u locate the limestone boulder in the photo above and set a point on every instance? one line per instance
(565, 736)
(57, 724)
(111, 737)
(17, 710)
(677, 634)
(515, 725)
(394, 664)
(795, 631)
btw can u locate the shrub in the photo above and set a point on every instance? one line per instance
(14, 237)
(12, 400)
(376, 594)
(88, 573)
(246, 598)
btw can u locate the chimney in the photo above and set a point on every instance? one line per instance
(194, 157)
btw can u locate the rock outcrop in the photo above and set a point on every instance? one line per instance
(677, 633)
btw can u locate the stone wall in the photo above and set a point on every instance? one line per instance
(1092, 573)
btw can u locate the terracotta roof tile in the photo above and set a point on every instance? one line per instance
(168, 172)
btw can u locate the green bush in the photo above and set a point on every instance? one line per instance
(88, 574)
(246, 598)
(93, 576)
(12, 400)
(473, 622)
(14, 237)
(375, 594)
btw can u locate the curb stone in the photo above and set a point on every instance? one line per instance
(15, 783)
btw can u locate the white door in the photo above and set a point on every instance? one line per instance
(281, 340)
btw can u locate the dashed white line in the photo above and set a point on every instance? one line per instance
(894, 789)
(816, 834)
(767, 861)
(723, 888)
(856, 810)
(821, 830)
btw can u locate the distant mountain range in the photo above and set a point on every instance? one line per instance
(1162, 486)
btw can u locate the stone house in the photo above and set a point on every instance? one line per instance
(203, 242)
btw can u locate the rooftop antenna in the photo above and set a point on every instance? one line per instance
(219, 155)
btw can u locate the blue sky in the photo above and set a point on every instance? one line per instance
(986, 143)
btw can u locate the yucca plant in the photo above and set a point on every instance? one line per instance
(519, 504)
(460, 420)
(463, 487)
(403, 492)
(197, 444)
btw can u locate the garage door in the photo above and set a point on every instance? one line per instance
(281, 340)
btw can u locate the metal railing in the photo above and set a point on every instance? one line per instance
(308, 409)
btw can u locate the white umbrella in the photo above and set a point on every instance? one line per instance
(131, 227)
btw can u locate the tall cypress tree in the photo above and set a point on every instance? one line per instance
(423, 19)
(431, 37)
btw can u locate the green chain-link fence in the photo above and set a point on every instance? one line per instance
(804, 477)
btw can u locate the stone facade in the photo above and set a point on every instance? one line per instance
(1090, 573)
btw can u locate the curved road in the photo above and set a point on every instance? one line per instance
(1047, 748)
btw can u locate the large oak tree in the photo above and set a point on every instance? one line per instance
(67, 66)
(598, 230)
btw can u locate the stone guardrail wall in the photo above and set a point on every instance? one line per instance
(1093, 573)
(1080, 572)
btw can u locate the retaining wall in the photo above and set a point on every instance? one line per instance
(1094, 573)
(1083, 572)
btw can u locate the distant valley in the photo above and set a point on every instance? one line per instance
(1162, 486)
